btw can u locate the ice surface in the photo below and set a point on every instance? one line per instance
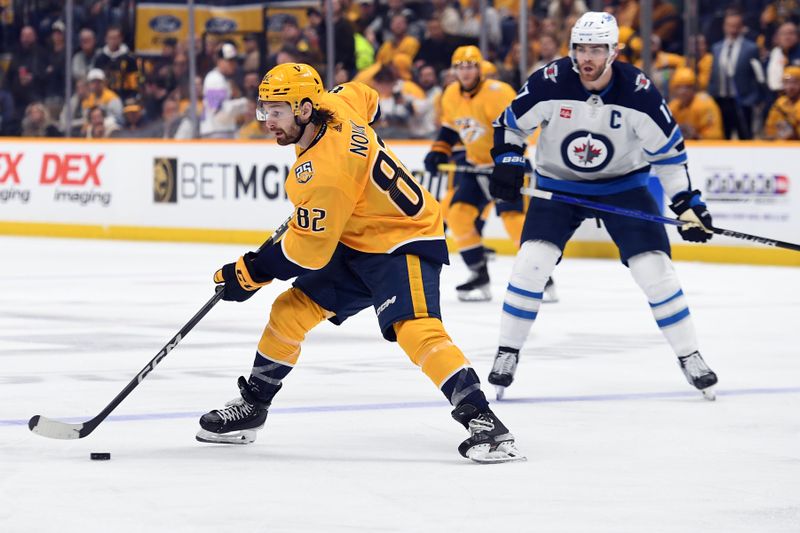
(359, 439)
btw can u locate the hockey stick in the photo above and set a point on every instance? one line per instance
(452, 167)
(54, 429)
(546, 195)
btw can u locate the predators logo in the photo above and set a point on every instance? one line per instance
(304, 172)
(469, 129)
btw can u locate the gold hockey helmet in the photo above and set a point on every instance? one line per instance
(292, 83)
(466, 54)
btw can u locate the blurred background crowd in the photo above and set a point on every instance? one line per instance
(737, 76)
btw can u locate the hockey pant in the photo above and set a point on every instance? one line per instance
(425, 341)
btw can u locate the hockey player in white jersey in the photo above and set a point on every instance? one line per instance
(604, 129)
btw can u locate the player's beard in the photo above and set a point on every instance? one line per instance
(289, 136)
(594, 75)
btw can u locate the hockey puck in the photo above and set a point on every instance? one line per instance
(100, 456)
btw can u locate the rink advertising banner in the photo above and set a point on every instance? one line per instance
(238, 186)
(158, 21)
(228, 191)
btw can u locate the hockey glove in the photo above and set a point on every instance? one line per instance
(688, 206)
(434, 159)
(508, 175)
(239, 283)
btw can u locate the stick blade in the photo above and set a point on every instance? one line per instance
(53, 429)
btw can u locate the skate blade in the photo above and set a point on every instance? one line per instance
(709, 394)
(475, 295)
(247, 436)
(506, 452)
(500, 391)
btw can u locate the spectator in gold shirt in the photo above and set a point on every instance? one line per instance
(783, 121)
(695, 112)
(400, 43)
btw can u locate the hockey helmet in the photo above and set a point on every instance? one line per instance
(466, 54)
(595, 27)
(293, 83)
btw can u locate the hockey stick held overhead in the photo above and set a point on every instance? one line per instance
(54, 429)
(598, 206)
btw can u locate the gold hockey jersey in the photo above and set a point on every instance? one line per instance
(349, 187)
(471, 116)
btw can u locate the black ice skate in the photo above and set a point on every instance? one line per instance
(550, 295)
(238, 422)
(698, 374)
(476, 288)
(489, 440)
(502, 374)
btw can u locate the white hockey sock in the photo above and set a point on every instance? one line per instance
(654, 273)
(534, 263)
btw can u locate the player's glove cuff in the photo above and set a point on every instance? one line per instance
(691, 209)
(508, 154)
(240, 284)
(442, 147)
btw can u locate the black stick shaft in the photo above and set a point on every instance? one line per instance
(89, 426)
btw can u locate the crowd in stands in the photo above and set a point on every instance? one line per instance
(739, 79)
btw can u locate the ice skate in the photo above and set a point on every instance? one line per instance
(238, 422)
(550, 294)
(503, 369)
(476, 288)
(698, 374)
(489, 440)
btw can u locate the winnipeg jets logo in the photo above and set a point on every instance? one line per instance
(585, 151)
(642, 83)
(469, 129)
(551, 72)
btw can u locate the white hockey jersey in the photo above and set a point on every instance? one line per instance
(596, 144)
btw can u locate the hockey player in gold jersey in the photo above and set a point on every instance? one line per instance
(469, 106)
(364, 233)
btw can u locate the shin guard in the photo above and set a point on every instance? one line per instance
(535, 261)
(293, 315)
(513, 222)
(461, 221)
(654, 273)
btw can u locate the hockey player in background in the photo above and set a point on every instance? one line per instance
(469, 106)
(604, 129)
(364, 233)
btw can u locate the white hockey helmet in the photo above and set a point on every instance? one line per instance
(595, 27)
